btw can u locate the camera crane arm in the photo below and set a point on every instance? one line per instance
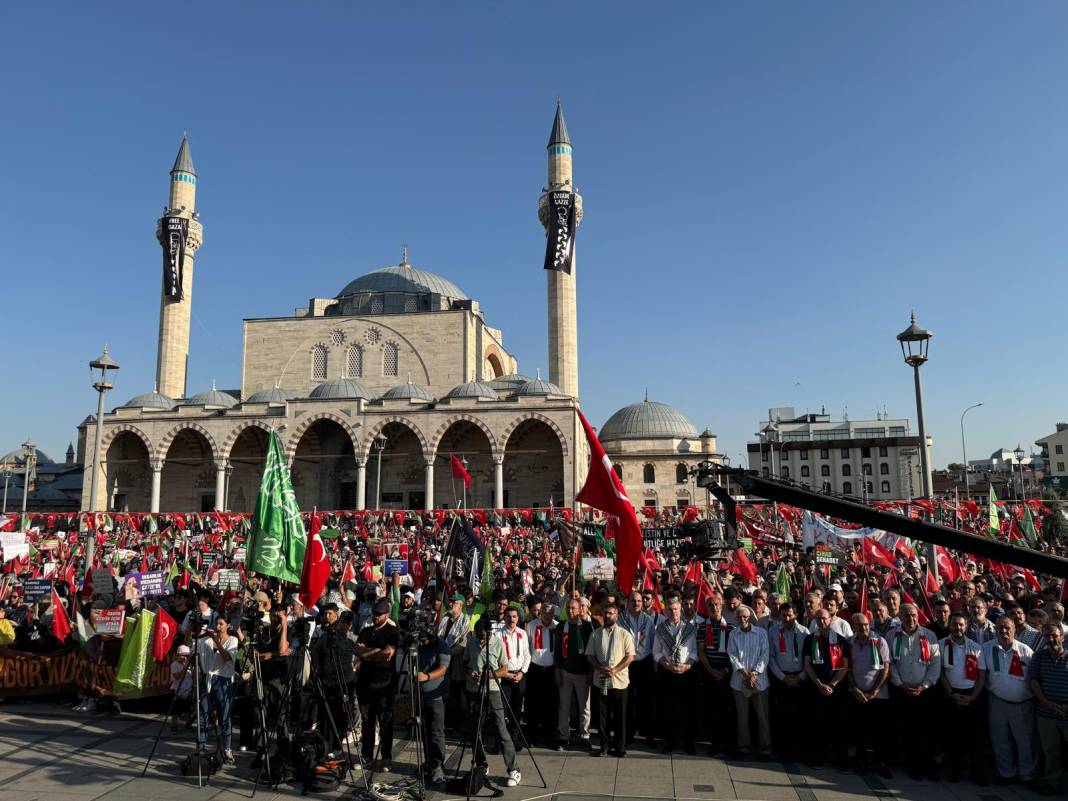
(785, 492)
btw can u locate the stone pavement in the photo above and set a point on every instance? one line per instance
(51, 753)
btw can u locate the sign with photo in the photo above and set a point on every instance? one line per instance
(598, 567)
(152, 584)
(229, 579)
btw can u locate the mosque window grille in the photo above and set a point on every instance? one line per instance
(411, 303)
(371, 336)
(354, 362)
(376, 304)
(318, 363)
(337, 337)
(390, 359)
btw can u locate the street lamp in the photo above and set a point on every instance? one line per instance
(379, 443)
(8, 472)
(964, 450)
(29, 463)
(463, 461)
(103, 363)
(914, 342)
(226, 493)
(1019, 454)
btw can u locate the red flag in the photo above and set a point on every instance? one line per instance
(368, 571)
(60, 622)
(743, 566)
(603, 490)
(415, 567)
(920, 614)
(460, 472)
(932, 587)
(874, 553)
(947, 568)
(349, 573)
(316, 569)
(163, 638)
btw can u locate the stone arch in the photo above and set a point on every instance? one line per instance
(495, 448)
(113, 432)
(533, 465)
(404, 421)
(231, 438)
(323, 463)
(535, 416)
(168, 438)
(495, 361)
(126, 469)
(312, 419)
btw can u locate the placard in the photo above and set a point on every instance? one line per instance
(239, 554)
(824, 555)
(396, 566)
(110, 621)
(152, 584)
(33, 590)
(103, 585)
(662, 537)
(747, 543)
(598, 567)
(229, 579)
(14, 545)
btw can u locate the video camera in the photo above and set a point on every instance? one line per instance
(417, 628)
(253, 619)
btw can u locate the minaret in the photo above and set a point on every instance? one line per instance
(180, 233)
(563, 320)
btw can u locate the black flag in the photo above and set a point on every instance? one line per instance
(172, 237)
(560, 235)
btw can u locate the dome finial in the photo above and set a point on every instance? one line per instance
(539, 374)
(647, 394)
(213, 385)
(404, 257)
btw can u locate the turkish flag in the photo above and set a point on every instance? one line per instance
(603, 490)
(460, 472)
(873, 553)
(349, 573)
(743, 566)
(163, 639)
(417, 571)
(60, 622)
(947, 568)
(316, 570)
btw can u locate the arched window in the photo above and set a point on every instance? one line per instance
(681, 473)
(804, 471)
(619, 471)
(825, 469)
(847, 470)
(354, 362)
(885, 486)
(884, 469)
(847, 487)
(389, 359)
(867, 469)
(318, 363)
(649, 474)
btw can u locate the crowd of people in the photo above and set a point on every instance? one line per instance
(763, 653)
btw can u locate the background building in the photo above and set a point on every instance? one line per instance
(878, 459)
(1055, 454)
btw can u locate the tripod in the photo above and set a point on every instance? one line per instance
(263, 739)
(409, 671)
(484, 705)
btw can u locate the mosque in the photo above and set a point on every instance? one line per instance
(372, 391)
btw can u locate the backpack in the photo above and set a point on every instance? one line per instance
(209, 764)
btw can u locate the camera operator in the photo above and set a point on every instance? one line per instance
(202, 617)
(377, 683)
(453, 629)
(475, 660)
(332, 655)
(434, 658)
(216, 649)
(270, 639)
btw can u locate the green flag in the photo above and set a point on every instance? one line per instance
(172, 574)
(782, 582)
(1027, 525)
(133, 658)
(486, 583)
(994, 527)
(277, 541)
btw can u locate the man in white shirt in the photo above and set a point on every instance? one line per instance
(963, 672)
(610, 651)
(542, 697)
(517, 657)
(914, 670)
(1011, 710)
(747, 649)
(216, 651)
(675, 652)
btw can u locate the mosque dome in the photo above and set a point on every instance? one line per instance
(18, 457)
(507, 384)
(647, 420)
(403, 279)
(213, 397)
(538, 386)
(473, 389)
(272, 395)
(150, 400)
(408, 391)
(341, 389)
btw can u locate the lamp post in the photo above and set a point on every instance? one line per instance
(379, 442)
(964, 451)
(914, 342)
(7, 480)
(1019, 454)
(29, 456)
(226, 493)
(103, 363)
(463, 461)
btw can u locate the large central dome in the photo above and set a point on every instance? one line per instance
(647, 420)
(403, 279)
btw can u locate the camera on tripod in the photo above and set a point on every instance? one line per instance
(254, 619)
(417, 629)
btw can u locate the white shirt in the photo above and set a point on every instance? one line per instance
(838, 626)
(212, 664)
(748, 650)
(954, 658)
(542, 657)
(516, 650)
(1013, 689)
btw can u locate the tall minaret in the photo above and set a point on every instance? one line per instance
(563, 321)
(180, 233)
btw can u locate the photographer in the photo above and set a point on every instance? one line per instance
(269, 637)
(434, 658)
(453, 629)
(332, 655)
(202, 617)
(486, 652)
(216, 649)
(377, 683)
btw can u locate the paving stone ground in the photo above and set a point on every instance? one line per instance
(50, 753)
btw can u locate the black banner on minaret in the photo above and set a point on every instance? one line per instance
(173, 234)
(560, 244)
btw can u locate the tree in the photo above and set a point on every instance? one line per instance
(1055, 527)
(957, 469)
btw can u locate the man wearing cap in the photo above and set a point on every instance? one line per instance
(453, 630)
(377, 683)
(434, 657)
(485, 653)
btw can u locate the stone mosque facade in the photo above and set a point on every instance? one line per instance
(372, 391)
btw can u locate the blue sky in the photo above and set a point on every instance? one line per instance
(769, 189)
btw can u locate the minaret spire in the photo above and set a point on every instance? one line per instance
(559, 133)
(184, 161)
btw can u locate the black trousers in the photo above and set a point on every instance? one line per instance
(434, 732)
(675, 698)
(333, 716)
(787, 716)
(869, 726)
(454, 705)
(542, 702)
(641, 699)
(717, 710)
(829, 711)
(513, 692)
(914, 726)
(957, 718)
(613, 720)
(376, 707)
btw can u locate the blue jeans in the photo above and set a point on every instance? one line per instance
(220, 698)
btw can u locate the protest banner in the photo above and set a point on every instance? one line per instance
(396, 566)
(110, 621)
(69, 670)
(14, 545)
(228, 579)
(152, 584)
(103, 585)
(36, 589)
(598, 567)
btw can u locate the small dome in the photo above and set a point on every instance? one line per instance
(150, 400)
(18, 457)
(647, 420)
(707, 433)
(408, 391)
(508, 384)
(539, 386)
(272, 395)
(403, 278)
(341, 389)
(474, 389)
(213, 397)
